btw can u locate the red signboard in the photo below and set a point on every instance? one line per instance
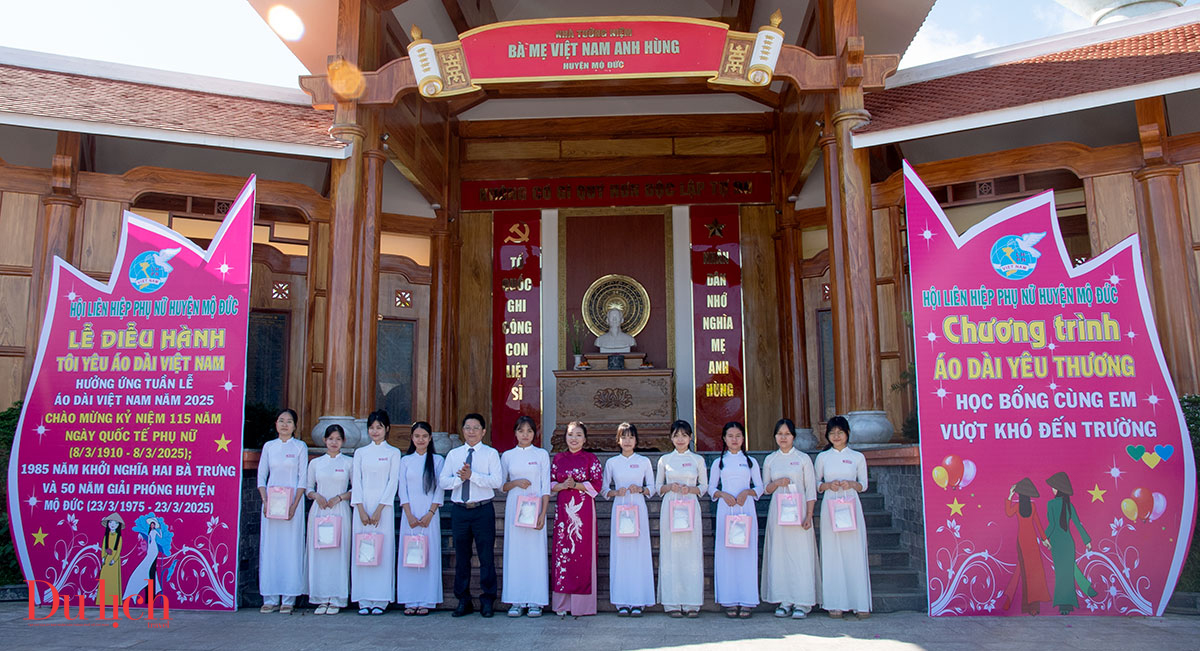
(517, 326)
(602, 48)
(595, 191)
(716, 322)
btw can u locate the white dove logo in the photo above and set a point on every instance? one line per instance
(1014, 256)
(149, 270)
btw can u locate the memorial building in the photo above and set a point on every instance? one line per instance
(513, 209)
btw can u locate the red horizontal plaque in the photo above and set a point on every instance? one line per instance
(597, 191)
(601, 48)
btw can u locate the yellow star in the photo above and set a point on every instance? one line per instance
(223, 444)
(39, 537)
(715, 229)
(1097, 493)
(956, 507)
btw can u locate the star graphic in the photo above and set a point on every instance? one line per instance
(32, 502)
(715, 229)
(931, 336)
(1114, 279)
(222, 444)
(71, 295)
(40, 430)
(224, 268)
(1052, 346)
(1053, 386)
(941, 393)
(1153, 399)
(1131, 334)
(1097, 493)
(228, 386)
(956, 507)
(39, 537)
(1114, 472)
(927, 235)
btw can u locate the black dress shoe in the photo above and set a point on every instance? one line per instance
(487, 608)
(463, 608)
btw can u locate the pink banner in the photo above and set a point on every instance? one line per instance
(126, 466)
(1058, 474)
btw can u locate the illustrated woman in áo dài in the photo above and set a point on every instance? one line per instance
(110, 560)
(373, 496)
(1059, 516)
(281, 479)
(419, 567)
(329, 525)
(576, 474)
(527, 484)
(627, 481)
(736, 484)
(790, 574)
(681, 479)
(841, 475)
(1029, 572)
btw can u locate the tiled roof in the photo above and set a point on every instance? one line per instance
(1119, 63)
(46, 94)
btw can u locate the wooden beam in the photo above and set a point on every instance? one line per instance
(490, 169)
(387, 5)
(745, 14)
(395, 39)
(631, 125)
(469, 14)
(407, 224)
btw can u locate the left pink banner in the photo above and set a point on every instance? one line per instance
(126, 466)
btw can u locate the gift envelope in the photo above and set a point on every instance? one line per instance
(279, 500)
(528, 507)
(843, 514)
(328, 528)
(628, 521)
(789, 508)
(683, 514)
(415, 550)
(367, 547)
(737, 531)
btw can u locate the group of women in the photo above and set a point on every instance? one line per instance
(349, 550)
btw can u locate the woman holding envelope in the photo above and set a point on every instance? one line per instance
(681, 480)
(736, 484)
(527, 482)
(842, 474)
(329, 525)
(576, 475)
(373, 495)
(628, 481)
(281, 483)
(790, 576)
(419, 568)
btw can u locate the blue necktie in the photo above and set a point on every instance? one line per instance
(466, 491)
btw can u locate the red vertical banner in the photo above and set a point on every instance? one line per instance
(716, 322)
(517, 325)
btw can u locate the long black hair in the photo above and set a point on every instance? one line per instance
(1025, 506)
(429, 478)
(733, 424)
(1064, 516)
(785, 422)
(380, 416)
(837, 422)
(526, 420)
(119, 528)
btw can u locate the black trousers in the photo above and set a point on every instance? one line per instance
(476, 525)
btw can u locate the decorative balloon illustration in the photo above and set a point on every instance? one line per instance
(1143, 504)
(954, 473)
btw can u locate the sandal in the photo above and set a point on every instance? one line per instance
(693, 614)
(268, 608)
(364, 611)
(863, 614)
(332, 610)
(377, 611)
(745, 613)
(286, 609)
(635, 612)
(675, 613)
(731, 613)
(421, 612)
(622, 612)
(835, 614)
(409, 612)
(782, 611)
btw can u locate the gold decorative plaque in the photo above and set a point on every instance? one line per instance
(621, 292)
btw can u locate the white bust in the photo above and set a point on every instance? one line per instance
(615, 341)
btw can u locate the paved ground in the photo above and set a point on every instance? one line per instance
(303, 630)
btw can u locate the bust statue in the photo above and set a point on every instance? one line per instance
(615, 341)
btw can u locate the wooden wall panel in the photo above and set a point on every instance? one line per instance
(19, 215)
(1191, 188)
(389, 283)
(721, 146)
(101, 232)
(475, 314)
(760, 310)
(14, 322)
(634, 245)
(893, 401)
(12, 380)
(506, 149)
(883, 243)
(609, 148)
(814, 300)
(1112, 209)
(885, 300)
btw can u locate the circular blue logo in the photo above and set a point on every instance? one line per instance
(150, 269)
(1014, 256)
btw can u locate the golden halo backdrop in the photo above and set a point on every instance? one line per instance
(622, 292)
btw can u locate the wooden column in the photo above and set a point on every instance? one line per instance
(1166, 243)
(852, 260)
(443, 296)
(368, 278)
(837, 274)
(793, 355)
(55, 233)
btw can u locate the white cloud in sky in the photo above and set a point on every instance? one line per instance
(935, 43)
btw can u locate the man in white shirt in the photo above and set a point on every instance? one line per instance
(472, 473)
